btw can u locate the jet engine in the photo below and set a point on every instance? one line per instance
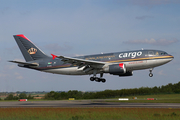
(128, 73)
(116, 69)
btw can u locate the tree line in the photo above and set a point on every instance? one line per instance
(164, 89)
(167, 89)
(20, 96)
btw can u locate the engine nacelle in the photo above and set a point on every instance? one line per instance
(116, 69)
(128, 73)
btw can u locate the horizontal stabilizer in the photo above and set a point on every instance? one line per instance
(25, 63)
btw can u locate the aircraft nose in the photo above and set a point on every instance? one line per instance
(172, 57)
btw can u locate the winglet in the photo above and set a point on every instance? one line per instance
(53, 56)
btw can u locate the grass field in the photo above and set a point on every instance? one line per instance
(160, 98)
(99, 113)
(89, 114)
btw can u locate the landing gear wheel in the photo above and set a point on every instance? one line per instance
(92, 78)
(150, 74)
(103, 80)
(97, 79)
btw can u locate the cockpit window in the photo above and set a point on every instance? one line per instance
(163, 53)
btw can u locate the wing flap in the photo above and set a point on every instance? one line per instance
(82, 62)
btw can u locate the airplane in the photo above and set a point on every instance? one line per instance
(117, 63)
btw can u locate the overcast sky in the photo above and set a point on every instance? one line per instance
(82, 27)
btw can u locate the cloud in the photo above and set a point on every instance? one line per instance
(161, 73)
(10, 67)
(4, 10)
(77, 55)
(151, 3)
(18, 76)
(152, 41)
(143, 17)
(56, 48)
(3, 75)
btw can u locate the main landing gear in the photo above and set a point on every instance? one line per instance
(98, 79)
(150, 74)
(94, 78)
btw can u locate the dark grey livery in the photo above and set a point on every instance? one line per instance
(118, 63)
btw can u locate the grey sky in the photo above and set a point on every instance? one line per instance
(81, 27)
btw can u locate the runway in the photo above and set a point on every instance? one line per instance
(84, 104)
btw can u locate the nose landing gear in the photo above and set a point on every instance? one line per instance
(150, 74)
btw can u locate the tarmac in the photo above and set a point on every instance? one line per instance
(84, 104)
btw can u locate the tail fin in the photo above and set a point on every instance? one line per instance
(28, 49)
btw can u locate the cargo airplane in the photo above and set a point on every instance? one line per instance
(117, 63)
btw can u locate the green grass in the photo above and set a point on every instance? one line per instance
(99, 113)
(160, 98)
(89, 114)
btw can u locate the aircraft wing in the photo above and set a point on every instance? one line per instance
(25, 63)
(82, 62)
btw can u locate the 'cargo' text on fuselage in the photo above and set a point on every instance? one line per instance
(130, 54)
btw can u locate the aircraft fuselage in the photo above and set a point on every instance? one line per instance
(117, 63)
(133, 60)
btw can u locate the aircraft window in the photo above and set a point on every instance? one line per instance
(156, 53)
(151, 53)
(164, 53)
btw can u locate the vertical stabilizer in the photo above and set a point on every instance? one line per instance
(28, 49)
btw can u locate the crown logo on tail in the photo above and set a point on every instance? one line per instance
(32, 51)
